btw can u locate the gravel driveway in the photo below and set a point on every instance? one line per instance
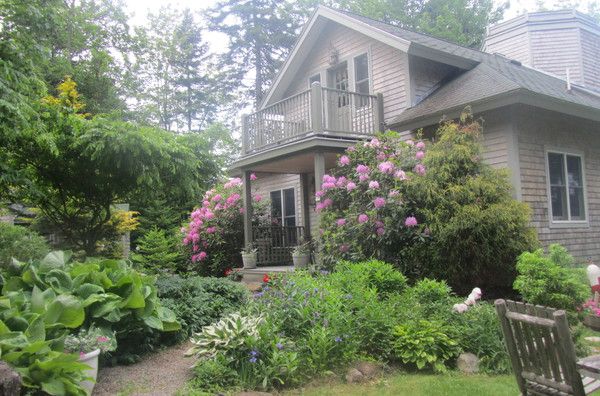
(160, 374)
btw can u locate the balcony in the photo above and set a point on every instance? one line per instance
(318, 111)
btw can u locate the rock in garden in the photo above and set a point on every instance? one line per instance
(354, 376)
(592, 339)
(252, 393)
(369, 369)
(468, 363)
(10, 382)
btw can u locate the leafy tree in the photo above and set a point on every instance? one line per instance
(180, 88)
(77, 168)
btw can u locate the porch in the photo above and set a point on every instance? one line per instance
(318, 111)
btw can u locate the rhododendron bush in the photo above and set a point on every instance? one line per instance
(215, 233)
(434, 209)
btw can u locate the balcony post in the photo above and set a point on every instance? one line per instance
(248, 237)
(244, 133)
(379, 116)
(316, 107)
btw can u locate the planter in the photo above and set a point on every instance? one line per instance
(301, 260)
(91, 359)
(592, 321)
(249, 260)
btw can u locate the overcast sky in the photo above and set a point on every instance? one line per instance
(139, 9)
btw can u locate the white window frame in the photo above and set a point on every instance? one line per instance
(351, 74)
(283, 214)
(566, 223)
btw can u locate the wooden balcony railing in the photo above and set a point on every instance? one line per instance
(316, 111)
(275, 243)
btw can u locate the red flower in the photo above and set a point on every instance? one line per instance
(228, 271)
(266, 278)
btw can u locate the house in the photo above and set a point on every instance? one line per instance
(536, 85)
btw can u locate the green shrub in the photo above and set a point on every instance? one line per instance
(214, 376)
(157, 252)
(105, 293)
(438, 211)
(198, 301)
(20, 243)
(424, 344)
(382, 276)
(478, 331)
(545, 280)
(429, 291)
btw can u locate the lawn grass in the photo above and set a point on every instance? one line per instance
(452, 384)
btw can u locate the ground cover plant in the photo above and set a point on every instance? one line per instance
(304, 324)
(431, 209)
(44, 300)
(20, 243)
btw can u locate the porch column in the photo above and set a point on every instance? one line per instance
(305, 206)
(248, 207)
(316, 107)
(319, 173)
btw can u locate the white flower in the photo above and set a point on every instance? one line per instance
(460, 308)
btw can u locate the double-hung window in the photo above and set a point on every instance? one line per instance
(361, 77)
(566, 187)
(283, 207)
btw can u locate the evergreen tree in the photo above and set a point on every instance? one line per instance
(261, 33)
(157, 252)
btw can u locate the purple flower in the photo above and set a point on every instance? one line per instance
(420, 169)
(380, 231)
(381, 156)
(386, 167)
(374, 185)
(258, 294)
(341, 222)
(344, 160)
(411, 221)
(420, 145)
(279, 346)
(252, 360)
(363, 178)
(375, 142)
(379, 202)
(363, 218)
(254, 352)
(362, 169)
(338, 339)
(419, 155)
(350, 186)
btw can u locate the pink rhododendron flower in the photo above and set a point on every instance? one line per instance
(341, 222)
(218, 206)
(216, 198)
(362, 169)
(380, 231)
(410, 142)
(233, 198)
(344, 248)
(393, 193)
(420, 169)
(381, 156)
(419, 155)
(375, 142)
(209, 215)
(379, 202)
(351, 149)
(319, 193)
(258, 198)
(411, 221)
(252, 176)
(420, 145)
(386, 167)
(350, 186)
(363, 178)
(242, 210)
(328, 202)
(341, 181)
(102, 339)
(374, 184)
(379, 224)
(205, 203)
(328, 179)
(363, 218)
(327, 186)
(202, 256)
(211, 230)
(400, 175)
(344, 160)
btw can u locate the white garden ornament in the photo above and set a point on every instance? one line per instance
(471, 300)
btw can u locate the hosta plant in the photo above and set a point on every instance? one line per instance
(230, 333)
(424, 344)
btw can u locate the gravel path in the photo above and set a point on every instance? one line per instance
(159, 374)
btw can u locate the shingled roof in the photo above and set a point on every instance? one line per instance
(492, 76)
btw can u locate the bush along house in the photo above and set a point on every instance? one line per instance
(536, 85)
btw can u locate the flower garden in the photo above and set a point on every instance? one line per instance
(408, 230)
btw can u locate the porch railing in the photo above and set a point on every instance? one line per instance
(275, 243)
(316, 111)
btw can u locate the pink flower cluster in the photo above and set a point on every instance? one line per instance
(221, 202)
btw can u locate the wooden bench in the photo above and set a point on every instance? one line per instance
(542, 352)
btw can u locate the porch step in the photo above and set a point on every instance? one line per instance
(255, 275)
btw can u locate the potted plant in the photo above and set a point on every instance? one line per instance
(301, 255)
(592, 314)
(249, 256)
(90, 343)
